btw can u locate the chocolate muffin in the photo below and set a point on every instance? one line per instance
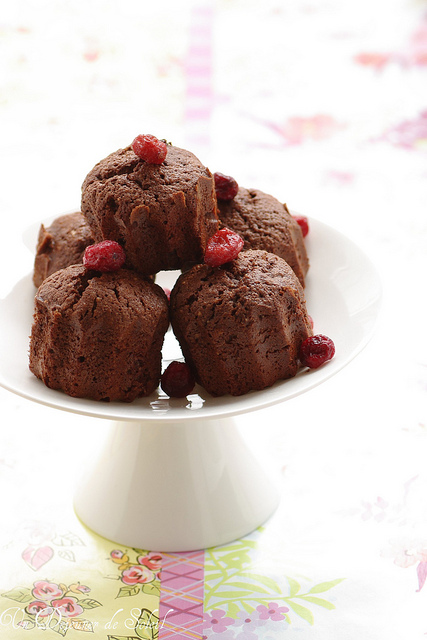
(99, 335)
(265, 223)
(60, 245)
(162, 214)
(240, 325)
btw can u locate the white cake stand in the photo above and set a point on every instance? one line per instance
(209, 487)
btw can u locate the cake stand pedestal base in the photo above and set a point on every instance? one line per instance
(176, 486)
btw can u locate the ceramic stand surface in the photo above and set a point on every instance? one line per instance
(176, 486)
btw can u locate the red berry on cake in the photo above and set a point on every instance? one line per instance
(222, 247)
(225, 186)
(303, 223)
(150, 148)
(177, 381)
(316, 350)
(104, 256)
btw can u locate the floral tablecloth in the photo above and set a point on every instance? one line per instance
(323, 104)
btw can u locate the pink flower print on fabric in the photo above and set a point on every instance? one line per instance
(409, 553)
(342, 178)
(46, 590)
(152, 561)
(246, 620)
(376, 510)
(413, 52)
(39, 608)
(376, 60)
(421, 574)
(137, 574)
(409, 134)
(272, 612)
(67, 607)
(297, 129)
(79, 588)
(217, 621)
(91, 54)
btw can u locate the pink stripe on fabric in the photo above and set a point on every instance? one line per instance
(201, 113)
(201, 91)
(202, 51)
(181, 596)
(198, 75)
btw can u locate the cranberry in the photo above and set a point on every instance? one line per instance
(225, 186)
(168, 292)
(222, 247)
(316, 350)
(104, 256)
(303, 223)
(150, 148)
(177, 381)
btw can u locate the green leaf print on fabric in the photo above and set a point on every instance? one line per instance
(319, 601)
(232, 587)
(147, 625)
(89, 603)
(20, 594)
(301, 611)
(325, 586)
(125, 592)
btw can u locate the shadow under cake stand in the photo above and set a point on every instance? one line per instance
(181, 471)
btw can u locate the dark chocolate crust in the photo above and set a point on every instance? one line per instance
(162, 215)
(99, 335)
(60, 245)
(240, 325)
(265, 223)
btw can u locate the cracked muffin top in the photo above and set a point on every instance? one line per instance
(265, 223)
(60, 245)
(99, 335)
(162, 214)
(240, 325)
